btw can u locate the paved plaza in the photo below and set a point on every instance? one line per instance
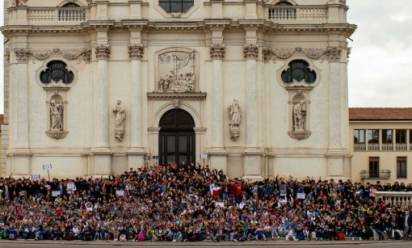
(34, 244)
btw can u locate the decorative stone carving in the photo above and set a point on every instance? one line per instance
(334, 54)
(299, 115)
(251, 51)
(136, 51)
(267, 54)
(22, 55)
(102, 52)
(235, 118)
(331, 53)
(56, 117)
(119, 121)
(217, 51)
(177, 71)
(17, 3)
(69, 54)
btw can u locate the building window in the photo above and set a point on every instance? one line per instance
(373, 136)
(176, 6)
(401, 136)
(410, 137)
(359, 136)
(56, 72)
(374, 167)
(401, 167)
(298, 70)
(387, 136)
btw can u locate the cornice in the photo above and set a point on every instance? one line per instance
(197, 25)
(166, 96)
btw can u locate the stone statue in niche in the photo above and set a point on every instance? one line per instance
(56, 115)
(299, 116)
(177, 72)
(56, 108)
(235, 117)
(119, 121)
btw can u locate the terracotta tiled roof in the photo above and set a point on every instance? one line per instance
(380, 114)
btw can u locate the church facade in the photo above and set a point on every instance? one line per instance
(257, 88)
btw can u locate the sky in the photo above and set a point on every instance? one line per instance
(380, 65)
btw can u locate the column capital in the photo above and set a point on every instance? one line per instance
(334, 54)
(136, 51)
(22, 55)
(251, 51)
(102, 52)
(217, 51)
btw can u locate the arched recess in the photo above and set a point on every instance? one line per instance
(177, 139)
(72, 3)
(172, 105)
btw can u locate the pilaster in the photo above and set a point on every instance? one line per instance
(136, 151)
(218, 159)
(101, 150)
(253, 155)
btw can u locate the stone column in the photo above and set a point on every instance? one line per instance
(253, 161)
(19, 113)
(102, 155)
(338, 112)
(217, 152)
(136, 151)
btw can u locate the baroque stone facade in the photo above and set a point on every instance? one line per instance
(176, 76)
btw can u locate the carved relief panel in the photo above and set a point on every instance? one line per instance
(177, 71)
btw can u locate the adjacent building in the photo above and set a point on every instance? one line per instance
(382, 144)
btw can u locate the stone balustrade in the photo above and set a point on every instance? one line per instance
(395, 198)
(52, 15)
(303, 14)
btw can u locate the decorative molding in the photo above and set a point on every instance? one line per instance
(57, 134)
(251, 51)
(22, 55)
(136, 51)
(217, 51)
(195, 96)
(102, 52)
(332, 54)
(69, 54)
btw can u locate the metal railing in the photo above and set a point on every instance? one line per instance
(52, 15)
(395, 198)
(302, 13)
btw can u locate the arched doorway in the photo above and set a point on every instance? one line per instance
(177, 142)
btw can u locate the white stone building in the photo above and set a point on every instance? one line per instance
(95, 87)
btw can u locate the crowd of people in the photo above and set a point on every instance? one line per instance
(193, 203)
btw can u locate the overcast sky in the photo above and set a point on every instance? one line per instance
(380, 66)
